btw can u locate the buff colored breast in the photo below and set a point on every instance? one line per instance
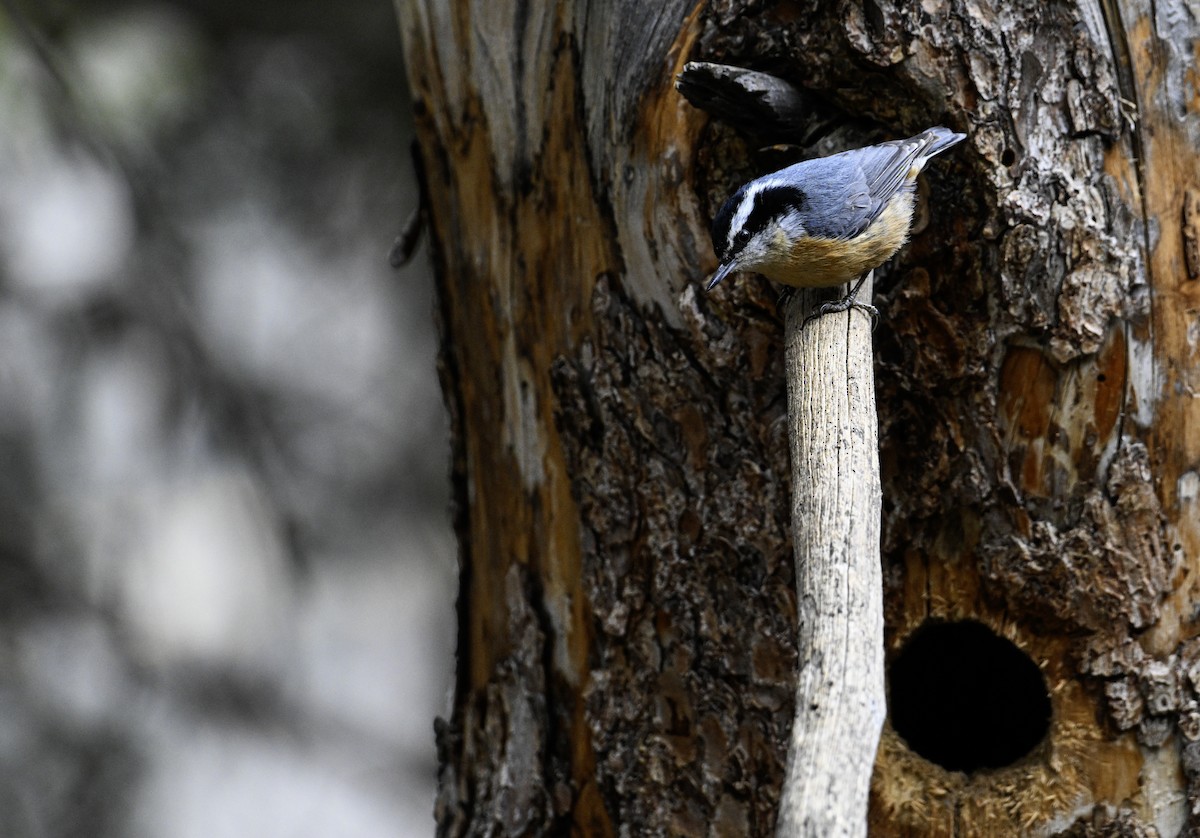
(819, 263)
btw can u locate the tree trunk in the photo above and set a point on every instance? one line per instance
(627, 616)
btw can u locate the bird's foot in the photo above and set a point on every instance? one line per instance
(847, 302)
(781, 303)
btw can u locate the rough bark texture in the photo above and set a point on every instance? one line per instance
(839, 588)
(627, 616)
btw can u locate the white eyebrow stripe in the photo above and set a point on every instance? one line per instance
(753, 189)
(743, 211)
(771, 181)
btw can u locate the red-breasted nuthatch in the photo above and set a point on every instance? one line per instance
(827, 221)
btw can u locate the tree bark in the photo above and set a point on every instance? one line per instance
(627, 616)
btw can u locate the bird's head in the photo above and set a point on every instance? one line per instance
(762, 218)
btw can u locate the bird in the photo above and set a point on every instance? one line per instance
(826, 221)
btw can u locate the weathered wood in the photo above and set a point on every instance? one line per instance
(755, 102)
(621, 522)
(840, 704)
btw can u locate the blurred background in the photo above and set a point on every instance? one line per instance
(226, 564)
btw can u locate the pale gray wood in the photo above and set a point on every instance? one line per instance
(840, 703)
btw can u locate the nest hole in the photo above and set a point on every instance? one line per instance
(965, 698)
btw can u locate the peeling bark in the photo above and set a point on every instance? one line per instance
(627, 619)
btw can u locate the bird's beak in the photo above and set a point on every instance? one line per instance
(722, 272)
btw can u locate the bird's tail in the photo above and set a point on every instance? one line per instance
(934, 141)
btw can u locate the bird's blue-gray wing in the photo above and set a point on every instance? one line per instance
(851, 189)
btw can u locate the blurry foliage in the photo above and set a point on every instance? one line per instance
(222, 447)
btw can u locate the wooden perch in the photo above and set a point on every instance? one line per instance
(840, 703)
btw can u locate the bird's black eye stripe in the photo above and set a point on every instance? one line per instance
(773, 202)
(768, 203)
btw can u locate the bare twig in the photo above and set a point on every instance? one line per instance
(840, 704)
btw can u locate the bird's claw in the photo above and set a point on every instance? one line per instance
(842, 305)
(785, 297)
